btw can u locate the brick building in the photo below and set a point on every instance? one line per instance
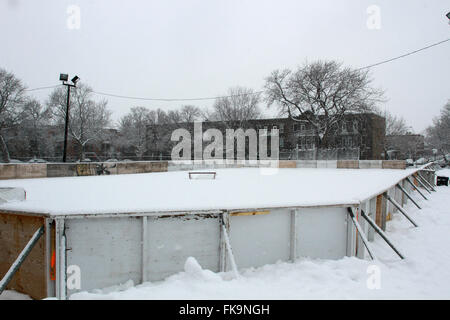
(407, 146)
(358, 136)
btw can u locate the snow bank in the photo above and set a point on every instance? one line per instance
(174, 191)
(424, 274)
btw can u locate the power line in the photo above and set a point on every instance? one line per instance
(404, 55)
(259, 92)
(243, 94)
(41, 88)
(176, 99)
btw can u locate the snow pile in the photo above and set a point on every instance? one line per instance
(13, 295)
(424, 274)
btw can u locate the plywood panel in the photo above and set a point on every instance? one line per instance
(261, 239)
(15, 232)
(287, 164)
(172, 239)
(107, 250)
(347, 164)
(322, 233)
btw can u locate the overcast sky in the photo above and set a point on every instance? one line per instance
(200, 48)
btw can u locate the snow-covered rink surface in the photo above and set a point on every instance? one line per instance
(174, 191)
(424, 274)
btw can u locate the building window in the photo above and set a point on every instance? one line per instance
(281, 128)
(281, 143)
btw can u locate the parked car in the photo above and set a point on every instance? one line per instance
(84, 160)
(112, 160)
(409, 162)
(15, 161)
(37, 160)
(421, 161)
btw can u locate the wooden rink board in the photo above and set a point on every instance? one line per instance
(15, 232)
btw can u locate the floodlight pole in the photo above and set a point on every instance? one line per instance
(67, 119)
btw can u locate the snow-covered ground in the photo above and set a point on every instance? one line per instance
(424, 274)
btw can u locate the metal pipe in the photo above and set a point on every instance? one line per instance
(400, 209)
(67, 123)
(417, 189)
(230, 251)
(408, 195)
(422, 184)
(361, 233)
(426, 182)
(381, 233)
(21, 258)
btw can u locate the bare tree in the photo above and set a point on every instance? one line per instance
(438, 134)
(396, 125)
(87, 118)
(234, 110)
(133, 128)
(33, 126)
(321, 93)
(190, 113)
(12, 98)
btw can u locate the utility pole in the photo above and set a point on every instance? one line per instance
(64, 78)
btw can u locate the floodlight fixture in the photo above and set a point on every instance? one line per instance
(63, 77)
(75, 79)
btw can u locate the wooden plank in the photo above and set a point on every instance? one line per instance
(378, 212)
(249, 213)
(287, 164)
(15, 232)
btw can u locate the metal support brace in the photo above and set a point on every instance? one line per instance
(408, 195)
(400, 209)
(381, 233)
(361, 233)
(21, 258)
(417, 189)
(224, 220)
(426, 182)
(422, 184)
(230, 251)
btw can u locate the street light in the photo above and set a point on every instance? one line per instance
(64, 78)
